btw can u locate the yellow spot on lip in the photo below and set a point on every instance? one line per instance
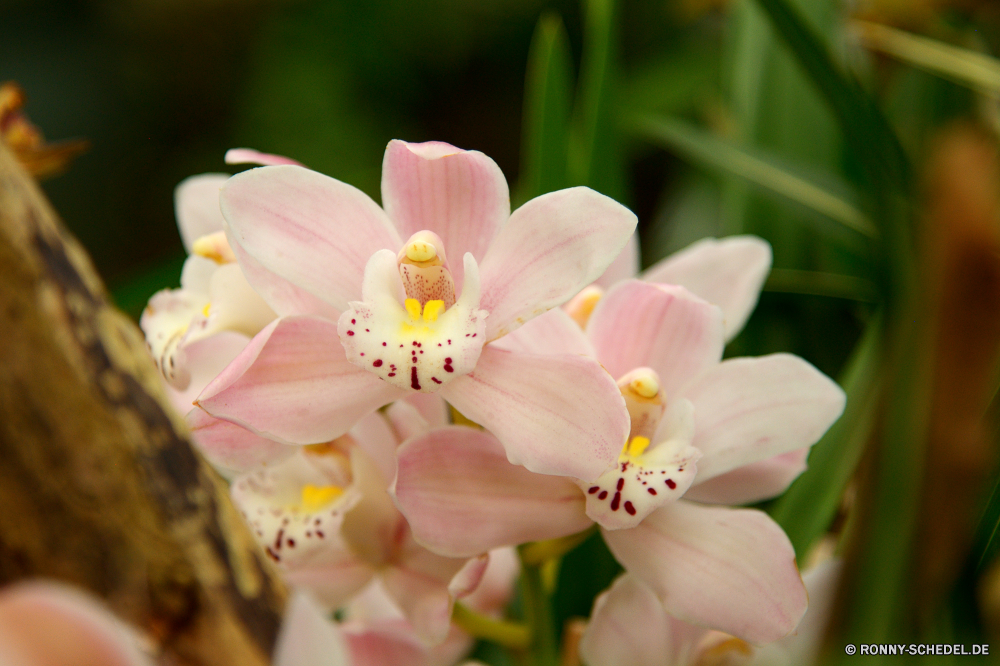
(636, 447)
(412, 306)
(432, 309)
(316, 497)
(215, 247)
(205, 309)
(420, 251)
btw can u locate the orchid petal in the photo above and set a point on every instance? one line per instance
(406, 420)
(196, 205)
(496, 588)
(387, 643)
(551, 248)
(624, 267)
(231, 447)
(250, 156)
(294, 526)
(554, 414)
(432, 407)
(751, 409)
(235, 306)
(425, 585)
(461, 496)
(554, 332)
(43, 623)
(729, 569)
(374, 435)
(312, 230)
(662, 327)
(728, 272)
(639, 484)
(293, 384)
(284, 297)
(461, 195)
(422, 352)
(307, 638)
(630, 626)
(752, 483)
(204, 360)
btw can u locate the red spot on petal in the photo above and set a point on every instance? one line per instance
(383, 344)
(652, 491)
(621, 483)
(435, 380)
(350, 332)
(593, 489)
(320, 534)
(616, 501)
(604, 493)
(630, 508)
(671, 484)
(414, 382)
(377, 363)
(290, 542)
(353, 321)
(392, 374)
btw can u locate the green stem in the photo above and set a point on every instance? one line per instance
(511, 635)
(539, 552)
(538, 616)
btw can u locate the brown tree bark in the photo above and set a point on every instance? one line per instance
(99, 486)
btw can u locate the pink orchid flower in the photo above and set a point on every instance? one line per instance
(700, 429)
(324, 517)
(380, 635)
(52, 624)
(369, 318)
(629, 626)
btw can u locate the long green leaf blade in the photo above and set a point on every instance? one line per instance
(547, 101)
(755, 167)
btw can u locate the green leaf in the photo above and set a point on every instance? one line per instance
(756, 167)
(809, 506)
(595, 158)
(547, 100)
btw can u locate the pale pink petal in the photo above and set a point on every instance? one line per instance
(231, 447)
(461, 195)
(307, 638)
(250, 156)
(728, 272)
(52, 624)
(385, 644)
(431, 406)
(461, 496)
(284, 297)
(630, 626)
(374, 435)
(662, 327)
(727, 569)
(425, 586)
(204, 360)
(751, 409)
(624, 267)
(374, 529)
(554, 414)
(551, 248)
(752, 483)
(497, 586)
(554, 332)
(293, 384)
(406, 420)
(312, 230)
(196, 205)
(334, 581)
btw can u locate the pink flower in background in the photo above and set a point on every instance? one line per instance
(629, 626)
(368, 318)
(194, 332)
(716, 431)
(324, 517)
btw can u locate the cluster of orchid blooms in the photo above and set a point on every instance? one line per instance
(327, 352)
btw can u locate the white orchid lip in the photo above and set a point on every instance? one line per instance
(214, 246)
(646, 476)
(429, 339)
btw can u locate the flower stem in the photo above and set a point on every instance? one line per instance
(539, 552)
(511, 635)
(538, 614)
